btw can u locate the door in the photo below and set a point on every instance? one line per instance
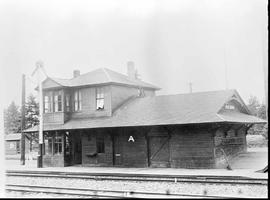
(117, 151)
(77, 148)
(159, 151)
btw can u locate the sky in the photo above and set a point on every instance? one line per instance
(172, 43)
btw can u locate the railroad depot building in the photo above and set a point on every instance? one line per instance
(104, 118)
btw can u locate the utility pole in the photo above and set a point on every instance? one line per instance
(38, 69)
(23, 122)
(265, 61)
(190, 87)
(226, 73)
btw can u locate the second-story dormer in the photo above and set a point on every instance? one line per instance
(95, 94)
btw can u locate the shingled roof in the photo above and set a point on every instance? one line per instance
(192, 108)
(102, 76)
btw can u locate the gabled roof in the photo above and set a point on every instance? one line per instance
(201, 107)
(101, 76)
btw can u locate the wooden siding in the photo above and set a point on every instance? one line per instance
(53, 160)
(191, 147)
(134, 154)
(90, 157)
(114, 96)
(231, 141)
(54, 118)
(89, 103)
(120, 94)
(159, 146)
(11, 149)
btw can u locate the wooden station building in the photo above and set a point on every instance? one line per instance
(104, 118)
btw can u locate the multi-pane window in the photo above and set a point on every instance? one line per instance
(77, 100)
(53, 144)
(100, 144)
(48, 103)
(67, 103)
(49, 146)
(57, 102)
(100, 98)
(53, 101)
(57, 144)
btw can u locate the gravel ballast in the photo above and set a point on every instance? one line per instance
(144, 186)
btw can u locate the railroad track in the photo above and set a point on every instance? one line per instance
(85, 192)
(142, 177)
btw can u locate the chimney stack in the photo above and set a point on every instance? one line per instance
(76, 73)
(131, 71)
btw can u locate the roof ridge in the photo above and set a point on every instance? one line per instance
(187, 93)
(107, 74)
(60, 78)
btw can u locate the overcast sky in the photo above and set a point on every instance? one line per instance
(171, 42)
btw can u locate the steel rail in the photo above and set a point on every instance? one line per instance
(102, 193)
(115, 177)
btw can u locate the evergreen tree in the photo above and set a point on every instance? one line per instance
(31, 112)
(31, 117)
(12, 119)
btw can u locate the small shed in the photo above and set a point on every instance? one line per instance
(13, 144)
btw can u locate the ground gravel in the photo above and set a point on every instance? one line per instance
(144, 186)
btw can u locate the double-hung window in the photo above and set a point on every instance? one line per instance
(67, 103)
(77, 100)
(48, 103)
(100, 98)
(57, 102)
(58, 144)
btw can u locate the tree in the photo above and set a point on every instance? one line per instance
(31, 112)
(31, 117)
(259, 110)
(253, 105)
(12, 119)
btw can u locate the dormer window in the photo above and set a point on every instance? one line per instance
(77, 100)
(100, 98)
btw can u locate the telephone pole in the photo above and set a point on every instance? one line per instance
(226, 73)
(39, 67)
(190, 87)
(23, 122)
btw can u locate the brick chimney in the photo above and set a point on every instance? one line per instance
(131, 71)
(76, 73)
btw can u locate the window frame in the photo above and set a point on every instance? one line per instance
(77, 100)
(67, 103)
(49, 102)
(100, 96)
(56, 102)
(57, 144)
